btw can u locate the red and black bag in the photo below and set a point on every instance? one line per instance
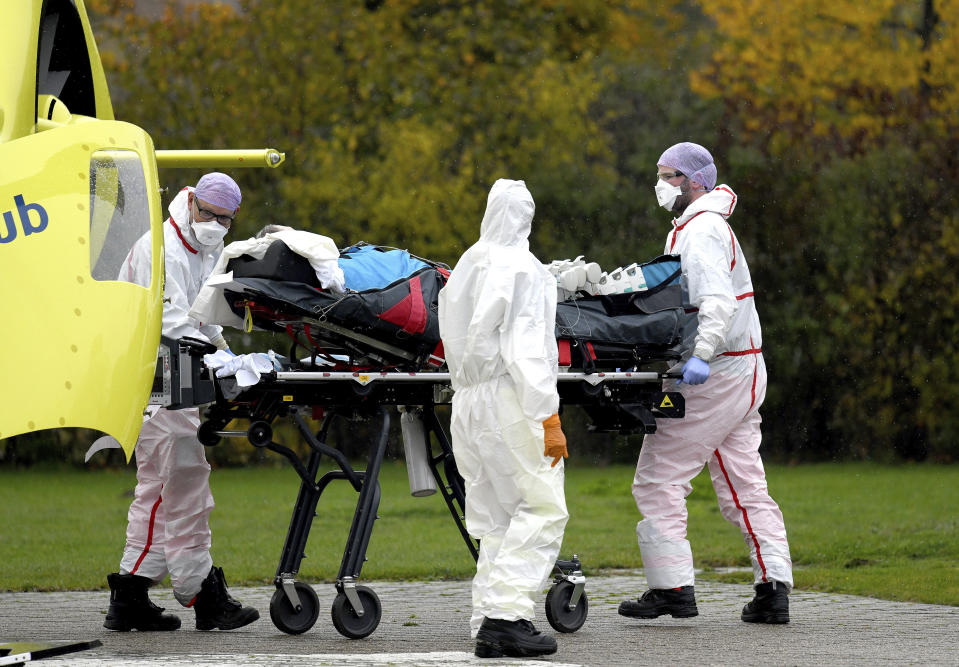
(624, 331)
(394, 325)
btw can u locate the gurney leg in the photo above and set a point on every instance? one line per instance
(452, 487)
(356, 609)
(295, 606)
(305, 508)
(366, 505)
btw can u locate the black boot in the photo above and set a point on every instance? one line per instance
(677, 602)
(131, 608)
(517, 639)
(771, 604)
(215, 608)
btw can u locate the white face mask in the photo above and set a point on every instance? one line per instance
(666, 194)
(208, 233)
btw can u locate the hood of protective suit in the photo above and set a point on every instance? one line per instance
(509, 214)
(498, 310)
(721, 200)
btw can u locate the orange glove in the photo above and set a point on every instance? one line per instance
(555, 440)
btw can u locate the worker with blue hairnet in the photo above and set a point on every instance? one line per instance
(168, 529)
(723, 383)
(497, 316)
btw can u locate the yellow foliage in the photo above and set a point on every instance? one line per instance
(834, 67)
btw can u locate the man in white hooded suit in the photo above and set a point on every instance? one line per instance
(497, 316)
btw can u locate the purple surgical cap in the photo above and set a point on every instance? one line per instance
(220, 190)
(693, 160)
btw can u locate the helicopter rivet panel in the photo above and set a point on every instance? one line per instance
(80, 340)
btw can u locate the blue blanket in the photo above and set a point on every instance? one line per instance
(367, 267)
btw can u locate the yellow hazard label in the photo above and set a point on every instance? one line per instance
(287, 398)
(364, 378)
(666, 402)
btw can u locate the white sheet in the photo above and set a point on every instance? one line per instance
(210, 307)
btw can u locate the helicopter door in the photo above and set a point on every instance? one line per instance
(78, 334)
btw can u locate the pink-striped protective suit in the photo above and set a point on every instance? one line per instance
(168, 527)
(722, 423)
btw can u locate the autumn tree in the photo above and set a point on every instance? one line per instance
(397, 116)
(834, 121)
(841, 75)
(840, 120)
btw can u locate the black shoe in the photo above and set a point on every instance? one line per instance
(131, 608)
(677, 602)
(517, 639)
(771, 604)
(215, 608)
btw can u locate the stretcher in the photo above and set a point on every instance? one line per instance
(292, 395)
(361, 355)
(395, 327)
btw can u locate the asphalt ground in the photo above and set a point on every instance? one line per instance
(426, 623)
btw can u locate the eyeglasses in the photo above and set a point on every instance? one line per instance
(225, 220)
(669, 175)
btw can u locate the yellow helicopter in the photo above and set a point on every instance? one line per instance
(78, 345)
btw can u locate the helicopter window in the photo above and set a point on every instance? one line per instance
(119, 216)
(63, 61)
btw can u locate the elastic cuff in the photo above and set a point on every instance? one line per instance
(551, 421)
(220, 342)
(703, 353)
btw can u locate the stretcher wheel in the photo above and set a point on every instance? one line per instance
(260, 434)
(287, 618)
(362, 389)
(345, 620)
(207, 434)
(558, 613)
(591, 389)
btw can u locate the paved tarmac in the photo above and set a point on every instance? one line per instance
(425, 623)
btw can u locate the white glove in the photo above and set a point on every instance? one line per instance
(247, 368)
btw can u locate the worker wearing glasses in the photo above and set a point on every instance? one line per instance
(203, 212)
(168, 529)
(723, 384)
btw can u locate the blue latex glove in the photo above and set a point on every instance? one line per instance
(695, 371)
(230, 352)
(277, 366)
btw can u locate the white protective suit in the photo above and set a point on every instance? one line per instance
(168, 527)
(496, 316)
(722, 420)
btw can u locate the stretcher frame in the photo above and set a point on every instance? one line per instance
(356, 611)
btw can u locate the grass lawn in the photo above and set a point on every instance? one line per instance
(883, 531)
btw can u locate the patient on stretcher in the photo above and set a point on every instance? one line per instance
(364, 266)
(378, 305)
